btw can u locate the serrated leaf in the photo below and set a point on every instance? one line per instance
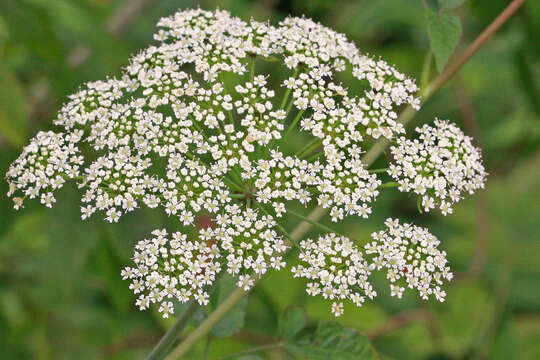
(450, 4)
(291, 321)
(444, 30)
(13, 111)
(233, 322)
(332, 341)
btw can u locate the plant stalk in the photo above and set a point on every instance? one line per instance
(161, 349)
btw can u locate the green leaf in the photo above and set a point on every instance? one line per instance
(444, 31)
(233, 322)
(450, 4)
(13, 111)
(332, 341)
(291, 321)
(250, 357)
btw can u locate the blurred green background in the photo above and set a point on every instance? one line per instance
(61, 296)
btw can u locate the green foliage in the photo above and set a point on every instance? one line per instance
(464, 317)
(68, 14)
(291, 321)
(333, 341)
(444, 31)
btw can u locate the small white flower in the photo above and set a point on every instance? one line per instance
(166, 308)
(337, 309)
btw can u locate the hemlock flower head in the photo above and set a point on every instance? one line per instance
(196, 106)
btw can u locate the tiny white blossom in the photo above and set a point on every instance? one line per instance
(337, 309)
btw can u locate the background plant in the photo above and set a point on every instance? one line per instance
(95, 263)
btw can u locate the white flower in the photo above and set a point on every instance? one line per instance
(337, 309)
(166, 308)
(206, 132)
(43, 167)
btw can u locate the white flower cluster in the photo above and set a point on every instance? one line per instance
(172, 268)
(248, 242)
(411, 258)
(336, 269)
(438, 166)
(44, 165)
(191, 126)
(207, 131)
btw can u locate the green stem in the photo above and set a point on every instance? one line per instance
(310, 147)
(314, 156)
(378, 171)
(289, 106)
(288, 92)
(390, 184)
(293, 124)
(426, 69)
(237, 196)
(232, 184)
(447, 74)
(161, 349)
(281, 228)
(206, 326)
(207, 347)
(305, 147)
(252, 69)
(313, 222)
